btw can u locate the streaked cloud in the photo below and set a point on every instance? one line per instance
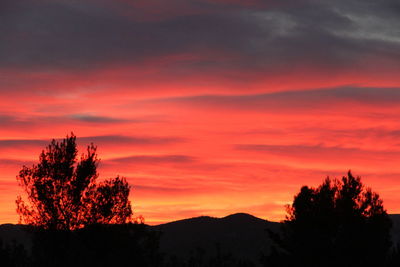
(299, 99)
(22, 142)
(99, 119)
(6, 163)
(103, 140)
(153, 159)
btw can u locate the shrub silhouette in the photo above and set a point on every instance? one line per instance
(13, 255)
(339, 223)
(130, 244)
(62, 193)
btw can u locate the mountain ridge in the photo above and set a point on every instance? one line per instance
(240, 235)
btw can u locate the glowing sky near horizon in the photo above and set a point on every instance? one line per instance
(207, 107)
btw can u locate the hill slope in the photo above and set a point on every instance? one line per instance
(241, 235)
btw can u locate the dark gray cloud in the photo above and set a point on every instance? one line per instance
(351, 132)
(5, 119)
(97, 140)
(99, 119)
(261, 37)
(294, 100)
(22, 142)
(378, 133)
(325, 152)
(29, 122)
(317, 149)
(12, 121)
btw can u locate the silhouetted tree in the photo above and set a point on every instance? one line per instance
(62, 193)
(339, 223)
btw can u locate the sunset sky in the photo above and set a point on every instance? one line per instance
(207, 107)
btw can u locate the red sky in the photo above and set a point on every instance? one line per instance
(207, 107)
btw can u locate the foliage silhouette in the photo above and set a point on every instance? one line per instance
(394, 257)
(131, 244)
(62, 193)
(199, 258)
(13, 255)
(339, 223)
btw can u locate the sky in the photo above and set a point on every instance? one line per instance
(207, 107)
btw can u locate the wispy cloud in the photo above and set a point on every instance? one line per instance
(99, 119)
(325, 98)
(153, 159)
(103, 140)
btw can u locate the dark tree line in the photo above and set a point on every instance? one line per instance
(13, 255)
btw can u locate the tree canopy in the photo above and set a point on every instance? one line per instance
(62, 192)
(339, 223)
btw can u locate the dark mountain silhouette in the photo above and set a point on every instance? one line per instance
(241, 235)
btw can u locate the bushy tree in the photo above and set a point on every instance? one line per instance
(62, 193)
(339, 223)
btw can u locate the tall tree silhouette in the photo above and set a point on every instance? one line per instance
(62, 193)
(339, 223)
